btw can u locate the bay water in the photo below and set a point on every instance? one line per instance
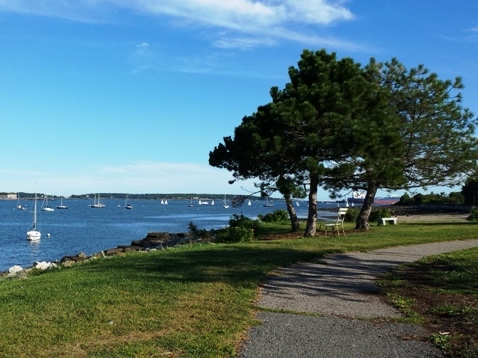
(81, 228)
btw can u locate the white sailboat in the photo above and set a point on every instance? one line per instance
(34, 234)
(45, 206)
(267, 204)
(20, 206)
(191, 204)
(126, 204)
(97, 203)
(61, 206)
(225, 202)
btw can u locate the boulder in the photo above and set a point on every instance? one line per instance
(42, 265)
(97, 255)
(77, 258)
(15, 269)
(116, 251)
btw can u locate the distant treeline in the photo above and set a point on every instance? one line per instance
(177, 196)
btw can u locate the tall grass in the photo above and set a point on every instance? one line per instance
(192, 301)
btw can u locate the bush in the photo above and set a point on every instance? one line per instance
(380, 213)
(351, 215)
(199, 233)
(234, 234)
(473, 214)
(243, 222)
(276, 216)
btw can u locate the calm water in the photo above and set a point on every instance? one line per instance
(84, 229)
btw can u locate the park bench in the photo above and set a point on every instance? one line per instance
(383, 221)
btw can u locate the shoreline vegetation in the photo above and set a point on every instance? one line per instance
(192, 300)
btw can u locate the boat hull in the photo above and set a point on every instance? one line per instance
(33, 235)
(377, 201)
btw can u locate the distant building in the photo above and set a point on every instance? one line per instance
(8, 196)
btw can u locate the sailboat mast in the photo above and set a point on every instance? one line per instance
(35, 213)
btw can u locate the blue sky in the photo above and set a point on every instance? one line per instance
(132, 95)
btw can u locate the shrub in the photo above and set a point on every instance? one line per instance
(351, 215)
(380, 213)
(243, 222)
(276, 216)
(199, 233)
(473, 214)
(234, 234)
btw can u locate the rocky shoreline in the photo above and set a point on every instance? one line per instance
(152, 241)
(163, 240)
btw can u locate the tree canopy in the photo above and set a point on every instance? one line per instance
(343, 126)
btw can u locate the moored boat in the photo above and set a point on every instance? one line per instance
(61, 206)
(34, 234)
(97, 203)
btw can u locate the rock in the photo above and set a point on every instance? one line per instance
(98, 255)
(15, 269)
(112, 252)
(42, 265)
(129, 248)
(78, 258)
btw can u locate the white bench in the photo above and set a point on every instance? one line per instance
(383, 221)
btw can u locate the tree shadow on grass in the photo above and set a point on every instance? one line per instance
(232, 264)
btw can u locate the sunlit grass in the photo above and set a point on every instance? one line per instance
(193, 301)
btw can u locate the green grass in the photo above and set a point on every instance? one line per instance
(192, 301)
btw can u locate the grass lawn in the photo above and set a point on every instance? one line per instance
(191, 301)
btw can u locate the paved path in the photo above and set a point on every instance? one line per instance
(353, 322)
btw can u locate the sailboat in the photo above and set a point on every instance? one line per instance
(20, 206)
(61, 206)
(45, 206)
(96, 202)
(34, 234)
(126, 204)
(225, 202)
(267, 204)
(191, 204)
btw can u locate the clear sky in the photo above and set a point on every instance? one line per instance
(132, 95)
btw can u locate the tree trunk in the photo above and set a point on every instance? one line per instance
(294, 220)
(362, 222)
(311, 227)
